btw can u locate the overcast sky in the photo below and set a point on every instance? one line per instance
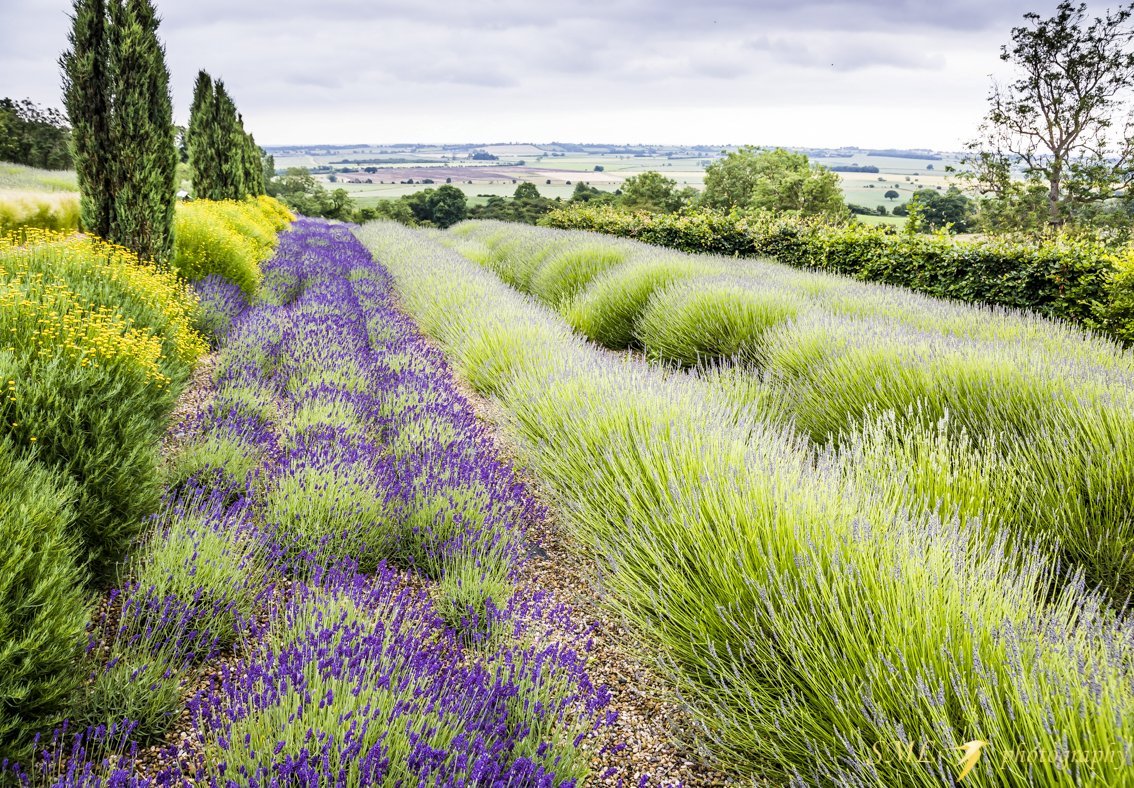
(873, 73)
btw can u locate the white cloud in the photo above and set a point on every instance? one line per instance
(869, 72)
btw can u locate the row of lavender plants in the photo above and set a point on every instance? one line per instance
(822, 629)
(1030, 421)
(329, 596)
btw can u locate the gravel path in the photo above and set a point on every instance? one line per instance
(652, 736)
(655, 729)
(192, 403)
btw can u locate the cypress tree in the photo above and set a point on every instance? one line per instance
(204, 163)
(253, 167)
(268, 167)
(86, 96)
(224, 158)
(227, 136)
(142, 132)
(225, 161)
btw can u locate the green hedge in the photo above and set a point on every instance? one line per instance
(1075, 279)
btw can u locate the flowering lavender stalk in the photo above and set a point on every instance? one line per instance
(349, 462)
(221, 303)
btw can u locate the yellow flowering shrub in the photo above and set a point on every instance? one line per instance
(46, 318)
(95, 302)
(95, 346)
(227, 238)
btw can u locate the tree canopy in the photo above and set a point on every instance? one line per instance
(651, 191)
(526, 191)
(950, 209)
(34, 136)
(299, 190)
(774, 180)
(1065, 119)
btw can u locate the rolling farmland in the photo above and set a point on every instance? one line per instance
(395, 166)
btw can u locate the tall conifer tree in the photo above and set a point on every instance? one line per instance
(86, 96)
(224, 158)
(253, 167)
(228, 139)
(142, 132)
(116, 90)
(204, 161)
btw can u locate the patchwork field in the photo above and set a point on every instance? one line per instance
(538, 164)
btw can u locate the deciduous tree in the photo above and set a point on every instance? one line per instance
(34, 136)
(447, 206)
(773, 180)
(650, 191)
(526, 191)
(940, 210)
(1065, 120)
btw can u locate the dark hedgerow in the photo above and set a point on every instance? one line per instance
(1077, 280)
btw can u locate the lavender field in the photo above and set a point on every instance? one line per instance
(870, 606)
(329, 594)
(416, 527)
(392, 396)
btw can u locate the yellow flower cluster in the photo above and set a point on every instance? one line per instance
(43, 317)
(227, 238)
(278, 213)
(63, 293)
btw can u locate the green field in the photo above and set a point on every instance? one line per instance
(891, 221)
(18, 177)
(565, 168)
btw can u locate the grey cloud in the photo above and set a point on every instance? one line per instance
(847, 55)
(628, 15)
(327, 61)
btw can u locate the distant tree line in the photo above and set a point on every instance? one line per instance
(748, 179)
(905, 154)
(441, 207)
(34, 136)
(870, 168)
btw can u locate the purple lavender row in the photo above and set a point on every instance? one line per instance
(337, 462)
